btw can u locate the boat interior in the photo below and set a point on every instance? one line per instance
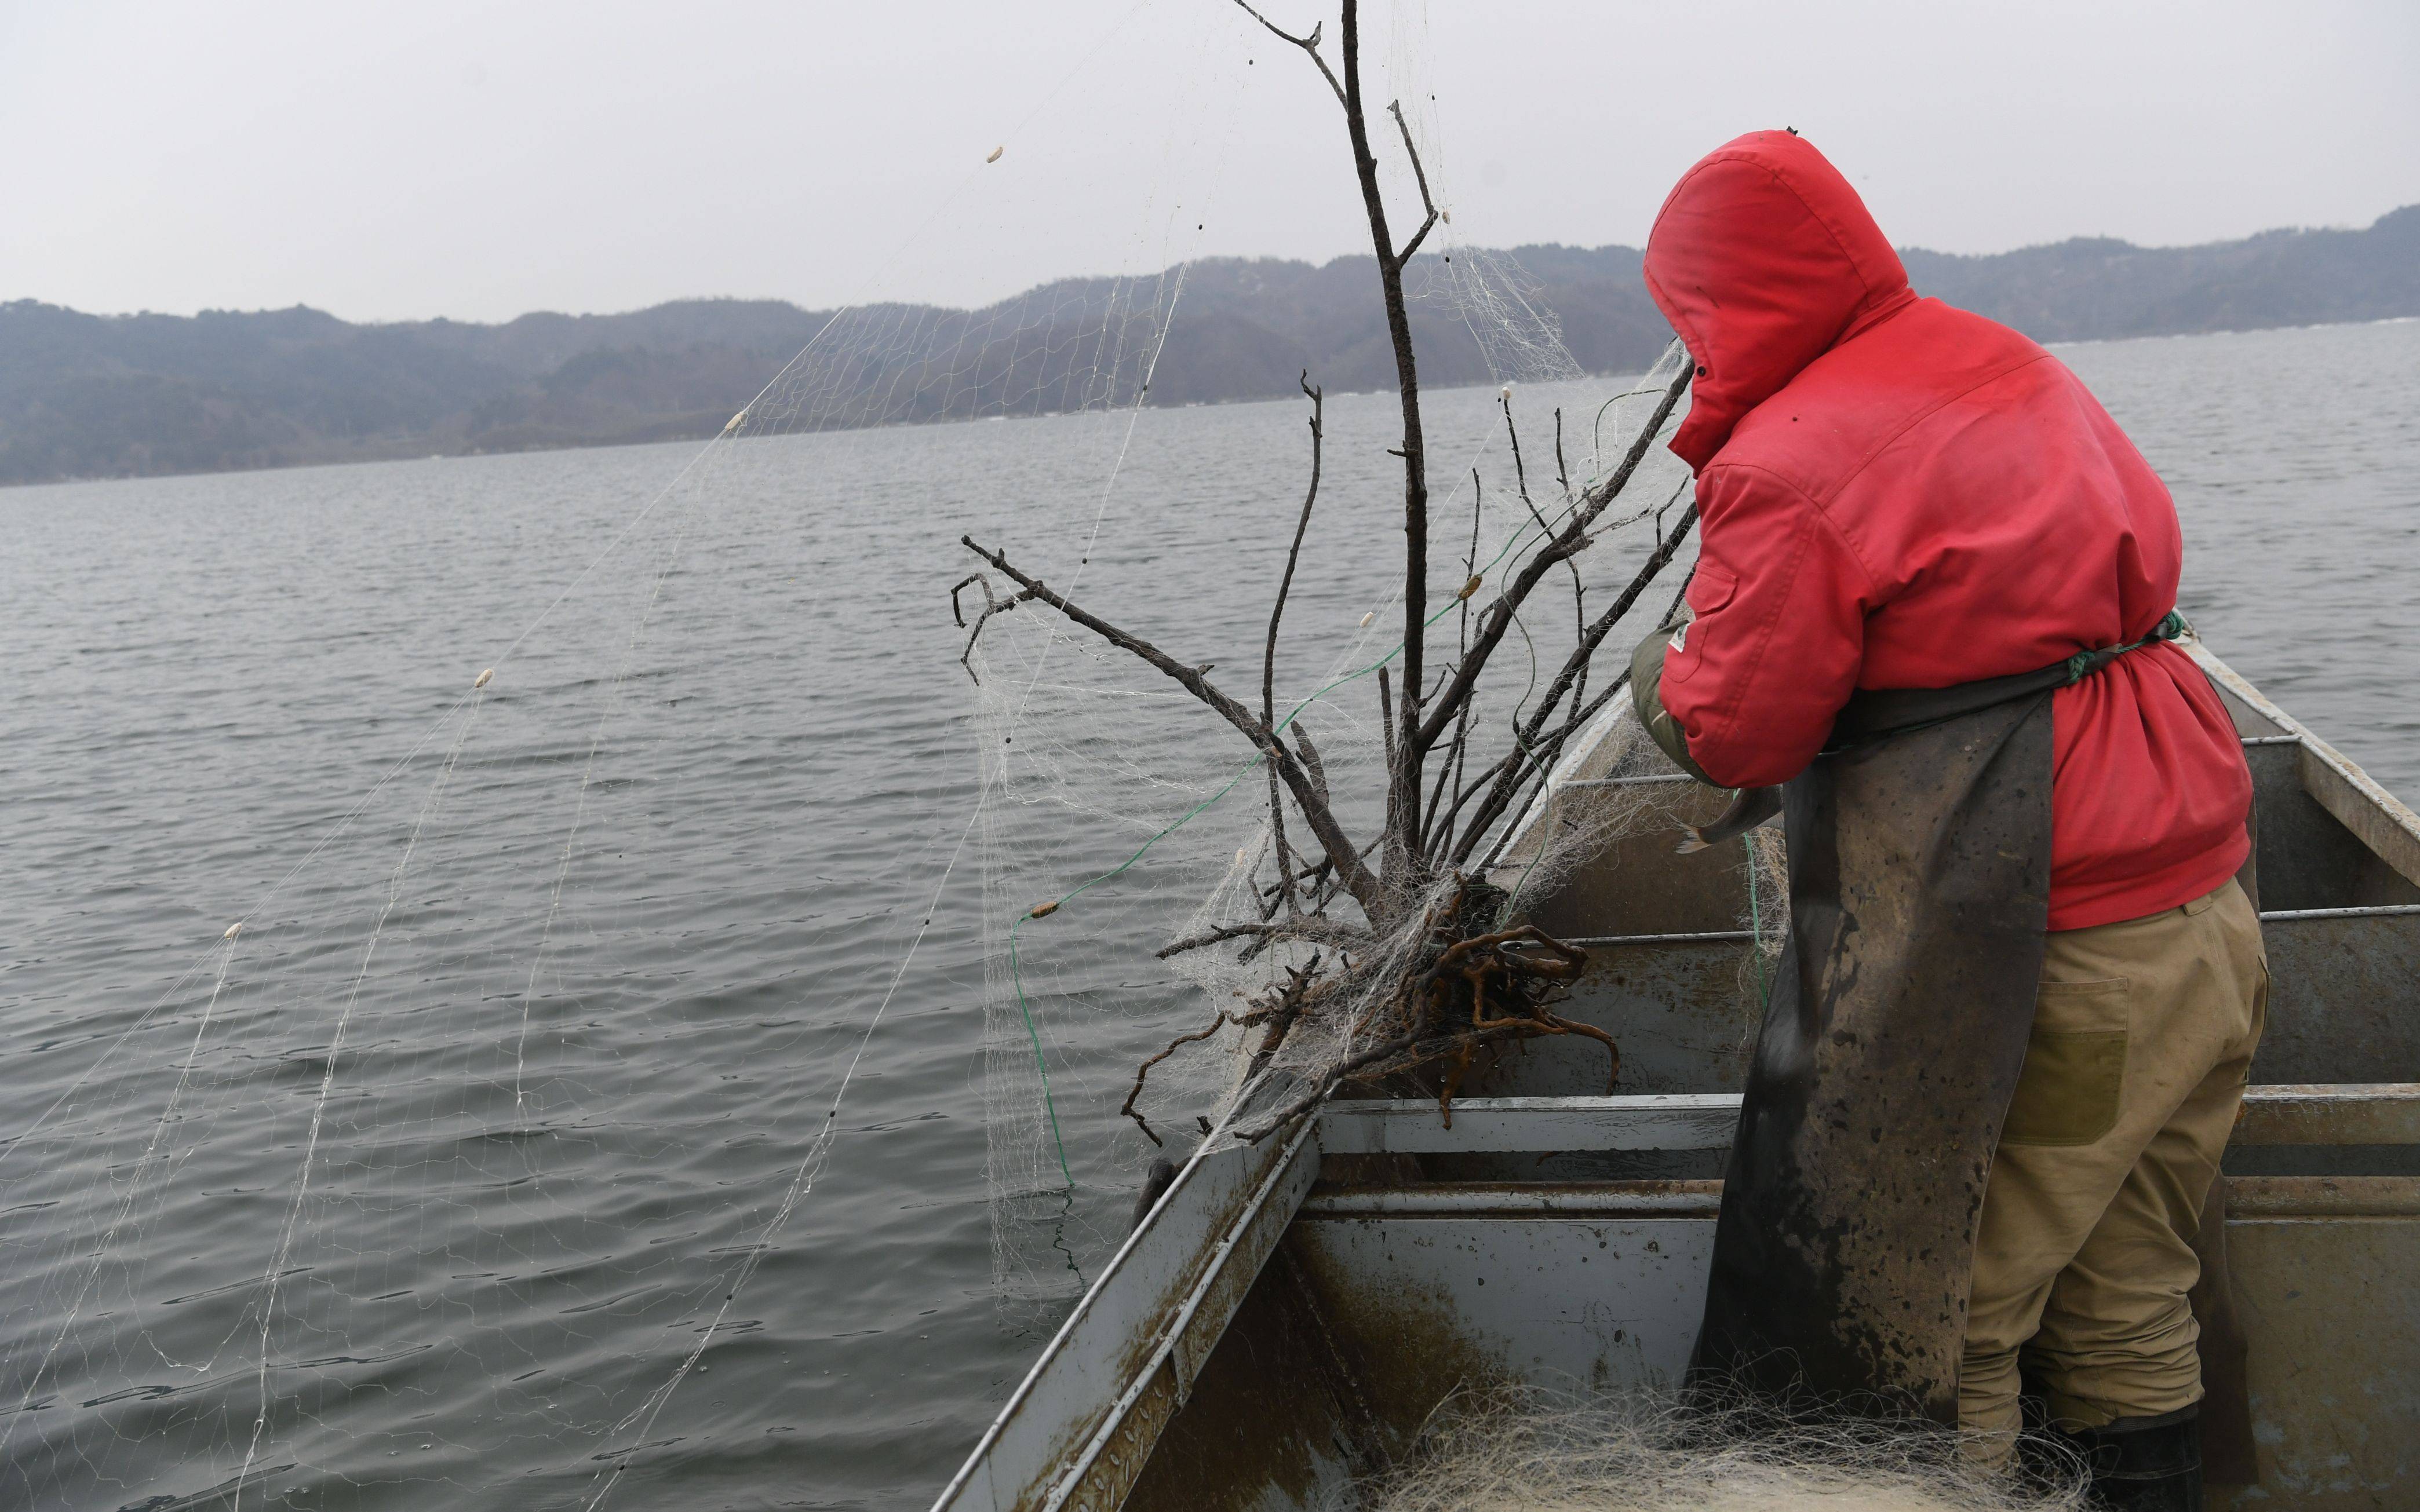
(1289, 1314)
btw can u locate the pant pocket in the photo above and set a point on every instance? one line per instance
(2075, 1074)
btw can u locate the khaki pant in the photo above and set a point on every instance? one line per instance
(2142, 1042)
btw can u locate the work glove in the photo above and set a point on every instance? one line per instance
(1645, 696)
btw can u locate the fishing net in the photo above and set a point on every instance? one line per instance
(1534, 1451)
(1126, 831)
(1132, 825)
(446, 1104)
(548, 916)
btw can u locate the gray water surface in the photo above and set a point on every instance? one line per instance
(428, 1189)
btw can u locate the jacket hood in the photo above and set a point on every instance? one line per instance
(1763, 258)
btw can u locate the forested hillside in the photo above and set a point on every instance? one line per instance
(83, 396)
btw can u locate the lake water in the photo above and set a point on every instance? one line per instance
(482, 1169)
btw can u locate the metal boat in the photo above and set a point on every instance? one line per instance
(1288, 1314)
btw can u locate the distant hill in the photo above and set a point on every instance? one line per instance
(84, 395)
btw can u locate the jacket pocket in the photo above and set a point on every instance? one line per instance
(1711, 589)
(2074, 1076)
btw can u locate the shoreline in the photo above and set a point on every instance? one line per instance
(706, 435)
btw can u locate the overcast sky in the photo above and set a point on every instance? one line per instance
(477, 161)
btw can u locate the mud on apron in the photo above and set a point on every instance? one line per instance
(1919, 885)
(1919, 853)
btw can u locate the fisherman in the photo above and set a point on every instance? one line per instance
(1935, 598)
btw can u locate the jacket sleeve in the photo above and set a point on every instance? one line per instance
(1780, 605)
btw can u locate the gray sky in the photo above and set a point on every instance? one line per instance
(478, 161)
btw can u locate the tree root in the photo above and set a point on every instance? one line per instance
(1456, 995)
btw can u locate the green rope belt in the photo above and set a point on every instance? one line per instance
(1876, 713)
(2085, 663)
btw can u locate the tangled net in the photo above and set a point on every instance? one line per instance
(1438, 966)
(1342, 896)
(1529, 1450)
(1467, 985)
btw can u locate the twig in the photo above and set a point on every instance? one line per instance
(1445, 774)
(991, 606)
(1309, 931)
(1582, 713)
(1443, 1009)
(1660, 558)
(1219, 1021)
(1294, 555)
(1470, 562)
(1540, 771)
(1412, 1048)
(1521, 476)
(1269, 647)
(1488, 773)
(1513, 434)
(1281, 1014)
(1309, 44)
(1521, 479)
(1573, 536)
(1395, 108)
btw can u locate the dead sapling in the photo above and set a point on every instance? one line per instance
(1433, 969)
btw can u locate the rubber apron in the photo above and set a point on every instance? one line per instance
(1919, 859)
(1920, 896)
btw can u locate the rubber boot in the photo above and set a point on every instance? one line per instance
(2143, 1464)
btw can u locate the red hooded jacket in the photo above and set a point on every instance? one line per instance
(1897, 493)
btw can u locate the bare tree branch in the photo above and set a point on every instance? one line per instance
(1309, 44)
(1219, 1020)
(1430, 978)
(1508, 782)
(991, 606)
(1573, 536)
(1387, 721)
(1579, 590)
(1269, 648)
(1521, 478)
(1310, 762)
(1401, 851)
(1357, 877)
(1395, 108)
(1310, 931)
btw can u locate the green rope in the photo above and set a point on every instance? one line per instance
(1048, 1105)
(2085, 663)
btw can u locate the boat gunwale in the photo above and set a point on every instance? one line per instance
(2380, 820)
(1175, 1300)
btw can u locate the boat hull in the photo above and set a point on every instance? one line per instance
(1289, 1313)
